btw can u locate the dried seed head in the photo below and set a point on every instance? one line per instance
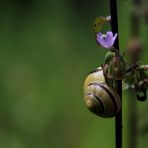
(134, 49)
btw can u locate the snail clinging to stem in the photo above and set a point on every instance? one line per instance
(99, 97)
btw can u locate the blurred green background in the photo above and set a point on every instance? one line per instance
(46, 49)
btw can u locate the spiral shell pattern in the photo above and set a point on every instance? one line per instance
(100, 98)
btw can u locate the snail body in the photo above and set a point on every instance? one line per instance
(100, 98)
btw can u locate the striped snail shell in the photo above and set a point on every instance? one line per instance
(99, 98)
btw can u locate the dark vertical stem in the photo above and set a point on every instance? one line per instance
(118, 118)
(114, 21)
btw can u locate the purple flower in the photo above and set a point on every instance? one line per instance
(106, 40)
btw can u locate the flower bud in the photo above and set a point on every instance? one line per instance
(116, 68)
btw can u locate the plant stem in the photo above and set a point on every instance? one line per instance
(118, 84)
(135, 31)
(132, 118)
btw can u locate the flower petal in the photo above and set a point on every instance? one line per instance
(107, 40)
(109, 33)
(100, 40)
(115, 36)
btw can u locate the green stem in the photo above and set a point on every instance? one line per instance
(132, 116)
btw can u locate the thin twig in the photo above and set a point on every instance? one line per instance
(118, 118)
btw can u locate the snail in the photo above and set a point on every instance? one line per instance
(100, 98)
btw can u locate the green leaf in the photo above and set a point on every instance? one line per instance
(99, 22)
(108, 57)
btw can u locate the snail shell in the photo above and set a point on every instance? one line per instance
(100, 98)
